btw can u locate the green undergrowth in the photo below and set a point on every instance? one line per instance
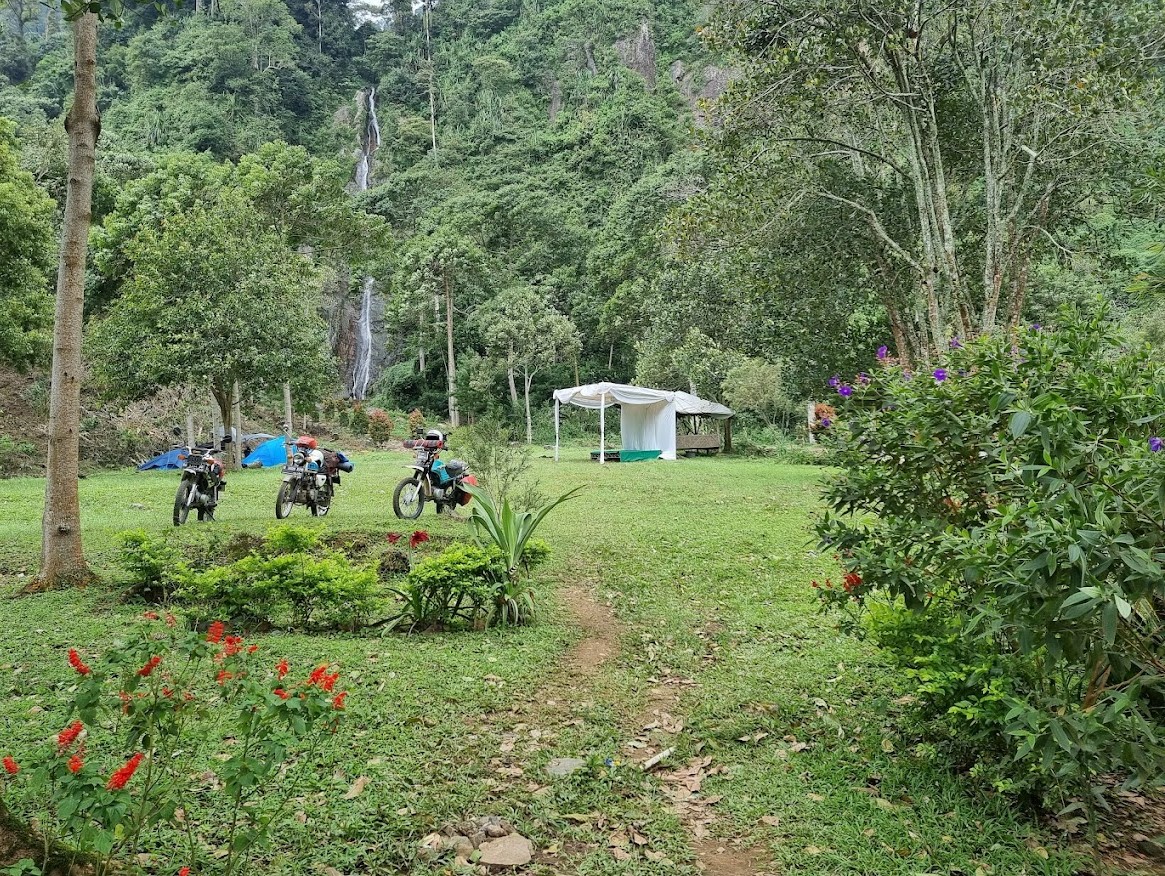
(707, 562)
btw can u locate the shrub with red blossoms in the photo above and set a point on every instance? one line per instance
(124, 695)
(77, 663)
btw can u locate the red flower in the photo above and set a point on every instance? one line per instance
(185, 871)
(150, 615)
(418, 537)
(252, 649)
(126, 699)
(317, 674)
(10, 766)
(281, 667)
(170, 620)
(76, 662)
(69, 735)
(393, 537)
(232, 646)
(338, 700)
(223, 676)
(214, 632)
(851, 582)
(124, 773)
(281, 693)
(330, 681)
(76, 762)
(150, 666)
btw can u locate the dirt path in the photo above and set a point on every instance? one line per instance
(585, 660)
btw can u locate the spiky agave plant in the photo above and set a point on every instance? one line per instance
(510, 532)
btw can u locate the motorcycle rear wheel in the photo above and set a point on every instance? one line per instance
(321, 508)
(285, 500)
(182, 502)
(408, 499)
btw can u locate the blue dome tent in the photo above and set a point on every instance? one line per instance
(267, 454)
(169, 459)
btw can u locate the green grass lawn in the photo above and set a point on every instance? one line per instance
(706, 563)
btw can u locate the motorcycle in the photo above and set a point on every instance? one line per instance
(202, 482)
(433, 479)
(309, 482)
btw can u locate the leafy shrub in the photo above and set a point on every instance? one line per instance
(1002, 512)
(416, 423)
(357, 419)
(380, 425)
(183, 703)
(456, 585)
(155, 568)
(285, 580)
(16, 457)
(500, 461)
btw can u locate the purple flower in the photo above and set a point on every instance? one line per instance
(863, 378)
(940, 374)
(845, 390)
(955, 343)
(1035, 326)
(835, 381)
(1156, 444)
(883, 351)
(907, 375)
(826, 422)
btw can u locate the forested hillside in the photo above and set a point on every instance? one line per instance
(410, 202)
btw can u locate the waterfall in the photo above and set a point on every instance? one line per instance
(369, 143)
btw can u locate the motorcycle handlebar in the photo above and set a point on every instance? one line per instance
(425, 444)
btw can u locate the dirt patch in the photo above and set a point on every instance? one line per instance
(719, 858)
(601, 630)
(655, 725)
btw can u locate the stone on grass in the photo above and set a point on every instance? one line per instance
(564, 766)
(509, 851)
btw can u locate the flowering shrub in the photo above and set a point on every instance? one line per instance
(380, 425)
(1000, 526)
(151, 714)
(416, 423)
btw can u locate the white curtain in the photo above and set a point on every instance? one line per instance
(649, 427)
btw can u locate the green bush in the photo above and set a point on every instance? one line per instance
(154, 567)
(285, 581)
(999, 520)
(16, 457)
(455, 586)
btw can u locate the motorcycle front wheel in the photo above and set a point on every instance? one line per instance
(285, 500)
(182, 502)
(408, 500)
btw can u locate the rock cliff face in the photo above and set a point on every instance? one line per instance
(699, 87)
(637, 52)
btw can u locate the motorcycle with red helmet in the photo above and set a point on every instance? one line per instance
(310, 477)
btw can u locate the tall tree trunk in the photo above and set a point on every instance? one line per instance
(62, 561)
(237, 424)
(432, 77)
(451, 364)
(223, 395)
(526, 378)
(513, 386)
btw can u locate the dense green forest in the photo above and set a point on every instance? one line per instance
(485, 200)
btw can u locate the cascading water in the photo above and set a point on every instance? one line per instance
(369, 143)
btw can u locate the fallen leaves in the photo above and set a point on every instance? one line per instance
(357, 788)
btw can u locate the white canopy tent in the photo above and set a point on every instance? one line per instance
(647, 417)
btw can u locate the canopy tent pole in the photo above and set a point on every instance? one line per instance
(556, 430)
(602, 428)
